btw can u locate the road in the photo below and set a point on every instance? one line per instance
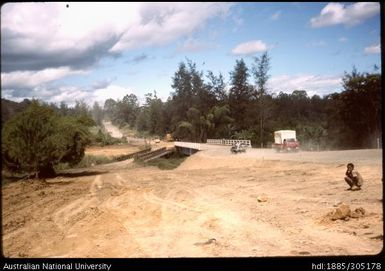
(112, 129)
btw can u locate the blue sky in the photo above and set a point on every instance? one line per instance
(94, 51)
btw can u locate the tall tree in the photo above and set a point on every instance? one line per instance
(151, 117)
(239, 95)
(361, 107)
(182, 97)
(217, 87)
(260, 72)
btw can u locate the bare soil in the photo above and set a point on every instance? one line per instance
(111, 151)
(215, 204)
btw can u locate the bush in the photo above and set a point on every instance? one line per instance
(37, 139)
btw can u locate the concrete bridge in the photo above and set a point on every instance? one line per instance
(188, 148)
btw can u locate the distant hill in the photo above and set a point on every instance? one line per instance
(11, 108)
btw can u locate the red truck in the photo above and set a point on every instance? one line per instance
(285, 140)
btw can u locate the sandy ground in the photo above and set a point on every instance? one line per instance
(207, 207)
(111, 151)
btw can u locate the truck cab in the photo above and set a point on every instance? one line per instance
(285, 140)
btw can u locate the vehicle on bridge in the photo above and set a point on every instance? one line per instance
(285, 140)
(238, 147)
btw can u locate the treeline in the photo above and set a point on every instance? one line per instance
(204, 106)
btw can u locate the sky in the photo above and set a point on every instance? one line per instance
(90, 52)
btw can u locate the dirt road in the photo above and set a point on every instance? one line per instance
(215, 204)
(112, 129)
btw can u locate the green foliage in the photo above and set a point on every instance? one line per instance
(240, 95)
(244, 134)
(70, 138)
(122, 112)
(217, 87)
(185, 130)
(10, 109)
(260, 72)
(152, 116)
(38, 138)
(220, 122)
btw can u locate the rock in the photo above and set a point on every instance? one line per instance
(262, 198)
(359, 212)
(337, 203)
(341, 212)
(208, 242)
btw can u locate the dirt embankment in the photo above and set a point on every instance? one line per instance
(215, 204)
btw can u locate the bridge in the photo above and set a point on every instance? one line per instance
(188, 148)
(229, 142)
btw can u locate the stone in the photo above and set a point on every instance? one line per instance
(359, 212)
(262, 198)
(341, 212)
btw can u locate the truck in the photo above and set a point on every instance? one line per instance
(168, 138)
(285, 140)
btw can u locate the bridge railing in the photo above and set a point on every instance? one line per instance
(229, 142)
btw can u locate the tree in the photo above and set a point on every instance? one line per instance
(37, 139)
(260, 72)
(220, 119)
(217, 88)
(361, 107)
(82, 112)
(240, 95)
(151, 116)
(182, 98)
(129, 109)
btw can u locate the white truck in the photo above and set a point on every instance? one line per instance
(285, 140)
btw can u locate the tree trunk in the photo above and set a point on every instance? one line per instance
(46, 171)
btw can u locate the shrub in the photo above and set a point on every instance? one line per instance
(37, 139)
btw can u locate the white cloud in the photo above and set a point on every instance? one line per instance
(276, 15)
(30, 79)
(250, 47)
(44, 42)
(373, 49)
(162, 23)
(68, 94)
(114, 27)
(342, 39)
(112, 91)
(349, 15)
(313, 84)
